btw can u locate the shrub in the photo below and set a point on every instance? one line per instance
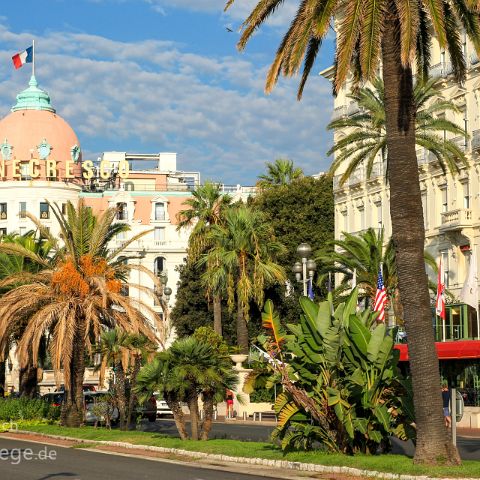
(12, 409)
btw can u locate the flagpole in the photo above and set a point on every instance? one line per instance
(473, 257)
(444, 319)
(33, 58)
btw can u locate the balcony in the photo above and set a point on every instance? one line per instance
(356, 178)
(339, 112)
(441, 70)
(461, 142)
(475, 140)
(353, 109)
(456, 219)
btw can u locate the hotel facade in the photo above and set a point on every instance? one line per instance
(41, 162)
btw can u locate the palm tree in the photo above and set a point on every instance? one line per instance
(280, 172)
(364, 254)
(114, 349)
(244, 251)
(188, 369)
(206, 208)
(367, 138)
(389, 36)
(19, 267)
(76, 294)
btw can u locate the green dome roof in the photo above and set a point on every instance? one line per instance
(33, 98)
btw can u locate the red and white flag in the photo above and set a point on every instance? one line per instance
(380, 298)
(440, 303)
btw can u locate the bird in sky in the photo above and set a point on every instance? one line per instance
(228, 29)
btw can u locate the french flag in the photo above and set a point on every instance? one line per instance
(21, 58)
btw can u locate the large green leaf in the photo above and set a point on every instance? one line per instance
(375, 435)
(350, 307)
(323, 318)
(359, 334)
(358, 377)
(375, 342)
(383, 416)
(333, 396)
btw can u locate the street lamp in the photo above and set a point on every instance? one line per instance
(305, 270)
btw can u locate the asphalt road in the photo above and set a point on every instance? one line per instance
(33, 461)
(469, 447)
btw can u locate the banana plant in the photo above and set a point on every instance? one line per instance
(340, 375)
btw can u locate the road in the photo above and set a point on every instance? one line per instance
(21, 460)
(469, 447)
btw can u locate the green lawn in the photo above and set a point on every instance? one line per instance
(384, 463)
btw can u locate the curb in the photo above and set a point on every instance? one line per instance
(281, 464)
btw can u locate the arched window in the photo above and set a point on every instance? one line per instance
(159, 266)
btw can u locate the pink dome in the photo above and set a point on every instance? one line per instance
(37, 132)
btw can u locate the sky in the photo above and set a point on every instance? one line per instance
(149, 76)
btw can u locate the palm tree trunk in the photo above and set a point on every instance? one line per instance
(178, 416)
(433, 440)
(194, 415)
(72, 407)
(132, 400)
(242, 330)
(28, 380)
(3, 378)
(120, 393)
(217, 314)
(208, 415)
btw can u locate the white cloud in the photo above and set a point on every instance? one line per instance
(155, 96)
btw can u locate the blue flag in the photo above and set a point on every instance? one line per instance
(310, 293)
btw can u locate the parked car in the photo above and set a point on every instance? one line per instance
(55, 398)
(148, 409)
(162, 406)
(97, 406)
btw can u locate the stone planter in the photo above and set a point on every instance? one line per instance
(238, 359)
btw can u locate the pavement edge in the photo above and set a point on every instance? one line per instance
(280, 464)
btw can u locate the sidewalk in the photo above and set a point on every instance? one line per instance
(468, 432)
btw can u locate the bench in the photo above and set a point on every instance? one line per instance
(268, 415)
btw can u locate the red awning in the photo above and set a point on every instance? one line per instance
(458, 349)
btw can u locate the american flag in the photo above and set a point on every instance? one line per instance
(380, 298)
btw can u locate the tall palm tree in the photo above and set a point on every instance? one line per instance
(367, 138)
(389, 36)
(206, 207)
(244, 250)
(76, 293)
(19, 267)
(280, 172)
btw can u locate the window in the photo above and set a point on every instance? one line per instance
(345, 220)
(445, 267)
(444, 193)
(120, 237)
(466, 194)
(379, 216)
(44, 210)
(22, 230)
(3, 231)
(159, 211)
(425, 209)
(25, 171)
(361, 213)
(122, 211)
(3, 211)
(22, 210)
(159, 266)
(159, 235)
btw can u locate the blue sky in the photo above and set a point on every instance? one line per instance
(165, 75)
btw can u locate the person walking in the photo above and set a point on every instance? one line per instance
(229, 398)
(446, 397)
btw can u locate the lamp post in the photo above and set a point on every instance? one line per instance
(305, 269)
